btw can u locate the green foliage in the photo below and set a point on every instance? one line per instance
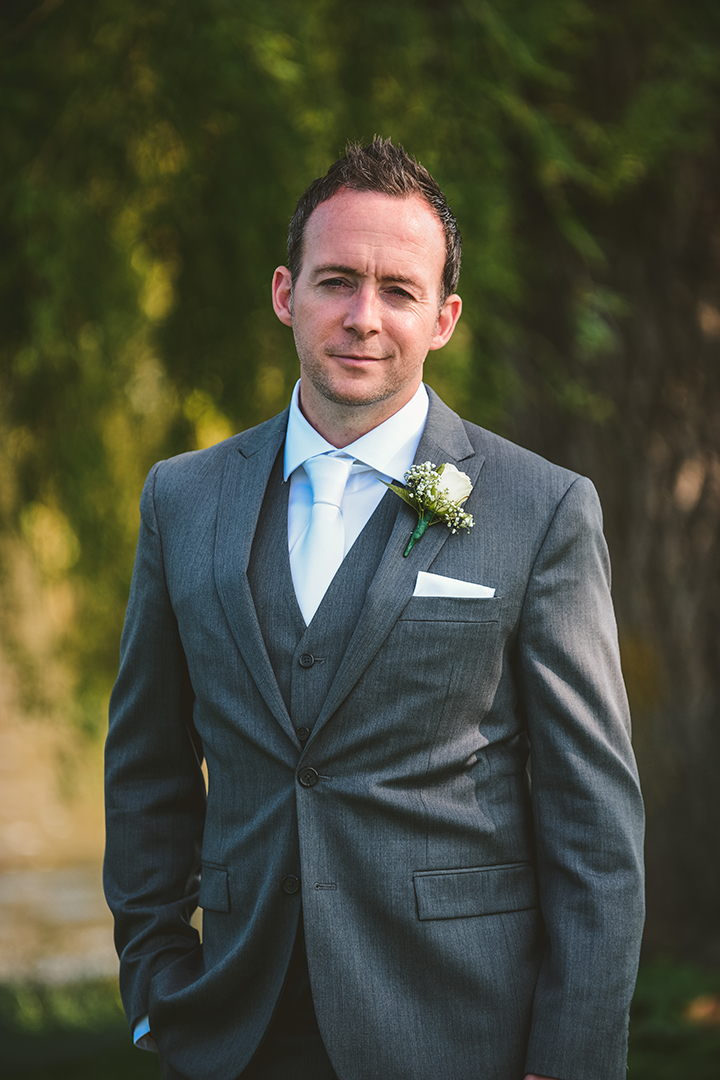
(152, 156)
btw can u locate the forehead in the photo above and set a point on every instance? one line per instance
(374, 233)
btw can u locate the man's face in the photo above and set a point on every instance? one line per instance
(365, 308)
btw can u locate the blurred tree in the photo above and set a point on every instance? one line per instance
(152, 156)
(621, 376)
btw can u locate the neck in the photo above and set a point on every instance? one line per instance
(341, 424)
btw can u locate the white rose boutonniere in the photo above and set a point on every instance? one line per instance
(436, 494)
(455, 484)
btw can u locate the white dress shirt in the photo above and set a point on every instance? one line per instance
(385, 453)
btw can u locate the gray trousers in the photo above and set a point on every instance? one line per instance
(292, 1048)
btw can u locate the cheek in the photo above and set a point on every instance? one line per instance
(416, 330)
(308, 333)
(413, 348)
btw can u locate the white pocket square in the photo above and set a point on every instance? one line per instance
(437, 585)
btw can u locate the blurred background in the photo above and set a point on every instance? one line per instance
(152, 154)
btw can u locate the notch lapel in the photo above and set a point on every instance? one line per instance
(443, 440)
(247, 471)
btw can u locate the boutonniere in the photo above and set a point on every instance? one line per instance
(436, 494)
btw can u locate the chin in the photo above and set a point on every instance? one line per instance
(353, 392)
(358, 397)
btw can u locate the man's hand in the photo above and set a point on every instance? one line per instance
(146, 1042)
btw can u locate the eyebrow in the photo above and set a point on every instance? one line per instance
(352, 271)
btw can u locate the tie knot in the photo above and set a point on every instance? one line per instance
(328, 477)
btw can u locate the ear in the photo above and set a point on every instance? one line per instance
(447, 321)
(281, 294)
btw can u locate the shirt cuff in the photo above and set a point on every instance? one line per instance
(141, 1035)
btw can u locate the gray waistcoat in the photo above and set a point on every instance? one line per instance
(304, 658)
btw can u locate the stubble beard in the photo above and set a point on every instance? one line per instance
(324, 385)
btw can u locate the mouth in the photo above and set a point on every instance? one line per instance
(356, 358)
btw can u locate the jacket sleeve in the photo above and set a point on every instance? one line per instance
(155, 791)
(587, 807)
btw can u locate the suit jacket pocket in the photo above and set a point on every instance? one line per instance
(474, 609)
(214, 888)
(478, 890)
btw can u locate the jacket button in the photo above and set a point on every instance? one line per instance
(290, 884)
(308, 777)
(307, 660)
(303, 733)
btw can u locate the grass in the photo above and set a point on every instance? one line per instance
(675, 1024)
(79, 1032)
(68, 1033)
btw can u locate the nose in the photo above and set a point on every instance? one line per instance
(363, 314)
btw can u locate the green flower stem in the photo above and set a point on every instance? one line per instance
(425, 520)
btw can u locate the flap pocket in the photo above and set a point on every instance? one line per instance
(214, 889)
(476, 609)
(479, 890)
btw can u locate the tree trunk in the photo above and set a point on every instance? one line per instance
(653, 450)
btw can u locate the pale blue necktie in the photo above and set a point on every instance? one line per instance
(317, 556)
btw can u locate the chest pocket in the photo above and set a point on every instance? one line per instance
(475, 609)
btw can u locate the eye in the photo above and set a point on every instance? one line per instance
(403, 294)
(333, 283)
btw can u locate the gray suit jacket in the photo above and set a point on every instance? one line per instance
(459, 920)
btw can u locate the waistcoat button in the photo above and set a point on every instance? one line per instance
(308, 777)
(290, 884)
(303, 733)
(307, 660)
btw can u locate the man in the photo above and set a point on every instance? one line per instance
(384, 892)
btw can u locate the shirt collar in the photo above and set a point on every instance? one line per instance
(389, 448)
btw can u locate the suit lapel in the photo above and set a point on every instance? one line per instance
(444, 440)
(246, 476)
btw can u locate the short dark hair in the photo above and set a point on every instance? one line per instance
(389, 170)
